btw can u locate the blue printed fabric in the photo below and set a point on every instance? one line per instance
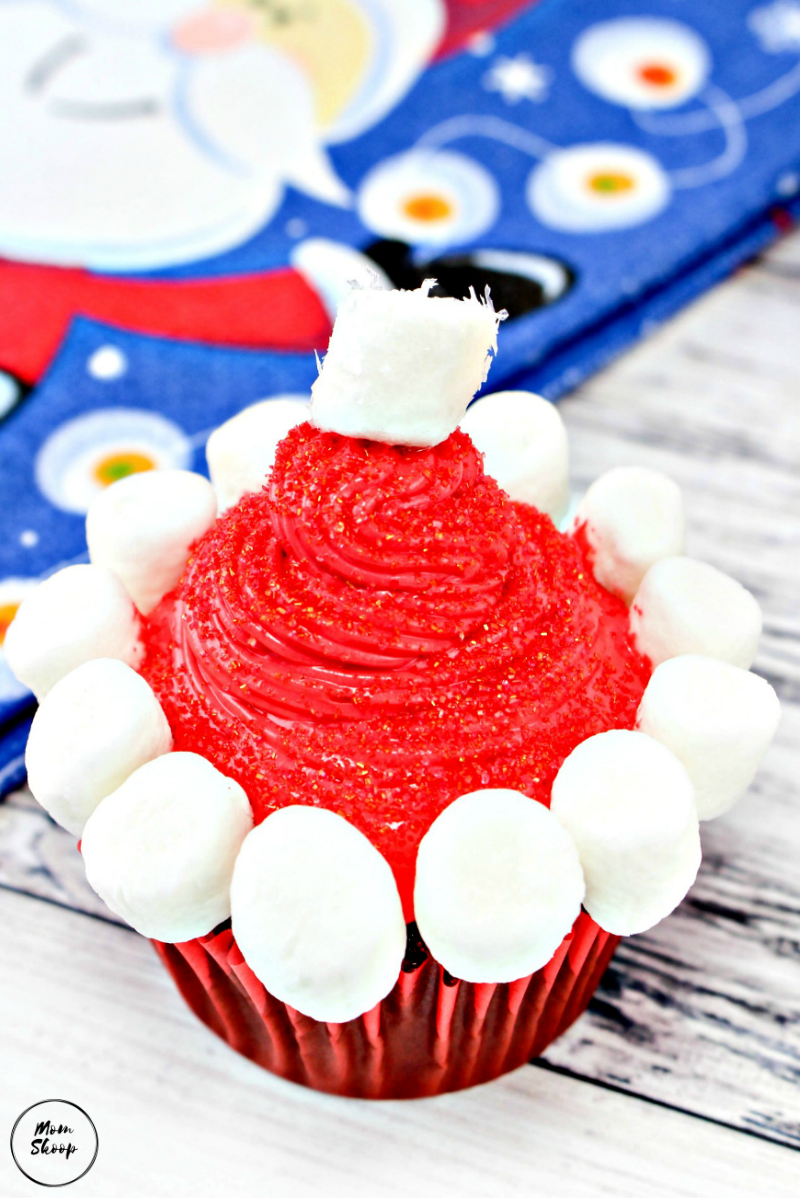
(197, 175)
(111, 402)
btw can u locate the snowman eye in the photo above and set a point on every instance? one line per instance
(426, 197)
(591, 188)
(642, 62)
(91, 452)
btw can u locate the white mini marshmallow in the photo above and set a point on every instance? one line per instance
(80, 613)
(633, 517)
(498, 886)
(717, 719)
(524, 444)
(160, 849)
(241, 452)
(629, 805)
(316, 913)
(403, 366)
(92, 730)
(142, 527)
(688, 607)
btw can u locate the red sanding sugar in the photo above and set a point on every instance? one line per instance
(381, 630)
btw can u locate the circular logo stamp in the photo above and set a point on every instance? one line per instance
(54, 1142)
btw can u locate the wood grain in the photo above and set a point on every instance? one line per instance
(39, 859)
(702, 1014)
(179, 1114)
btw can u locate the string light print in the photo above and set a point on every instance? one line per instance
(642, 62)
(90, 452)
(429, 197)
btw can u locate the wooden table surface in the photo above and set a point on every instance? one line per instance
(684, 1077)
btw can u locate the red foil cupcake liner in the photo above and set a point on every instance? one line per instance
(431, 1034)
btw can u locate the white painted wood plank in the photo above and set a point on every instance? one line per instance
(178, 1114)
(41, 859)
(785, 253)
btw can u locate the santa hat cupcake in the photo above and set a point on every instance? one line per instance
(382, 762)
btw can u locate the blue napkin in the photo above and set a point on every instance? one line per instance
(607, 163)
(109, 400)
(13, 739)
(583, 160)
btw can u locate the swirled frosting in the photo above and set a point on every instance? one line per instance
(380, 630)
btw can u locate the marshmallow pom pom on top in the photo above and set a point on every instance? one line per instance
(402, 367)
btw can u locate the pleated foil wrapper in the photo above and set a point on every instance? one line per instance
(431, 1034)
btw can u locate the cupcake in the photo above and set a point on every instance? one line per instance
(382, 762)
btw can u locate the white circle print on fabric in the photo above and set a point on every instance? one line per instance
(429, 197)
(597, 186)
(88, 453)
(642, 62)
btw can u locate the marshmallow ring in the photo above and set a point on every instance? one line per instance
(143, 526)
(96, 726)
(160, 849)
(717, 719)
(629, 805)
(316, 913)
(241, 452)
(524, 444)
(498, 887)
(631, 518)
(80, 613)
(683, 606)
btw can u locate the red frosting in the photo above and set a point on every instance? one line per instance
(381, 630)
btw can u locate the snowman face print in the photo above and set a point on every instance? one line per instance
(136, 136)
